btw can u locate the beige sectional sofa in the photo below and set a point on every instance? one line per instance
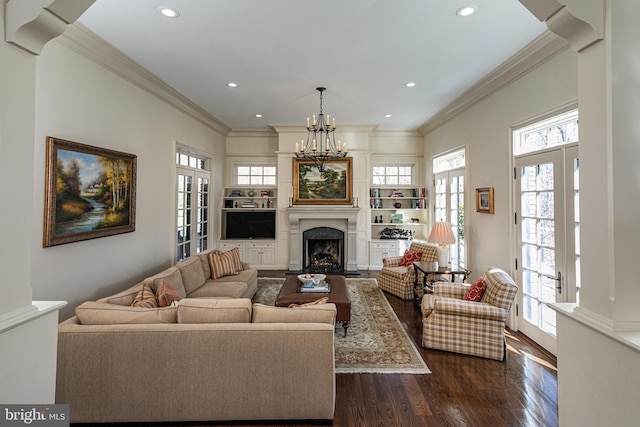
(214, 356)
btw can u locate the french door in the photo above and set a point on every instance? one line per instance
(548, 230)
(192, 216)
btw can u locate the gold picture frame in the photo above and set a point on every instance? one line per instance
(331, 187)
(484, 200)
(90, 192)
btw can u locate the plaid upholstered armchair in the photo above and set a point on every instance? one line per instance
(476, 328)
(399, 279)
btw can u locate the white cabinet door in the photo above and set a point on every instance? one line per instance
(261, 254)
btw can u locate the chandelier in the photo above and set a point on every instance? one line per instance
(321, 145)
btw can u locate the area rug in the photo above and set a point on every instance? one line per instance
(375, 341)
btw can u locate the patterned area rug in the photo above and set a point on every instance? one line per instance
(375, 342)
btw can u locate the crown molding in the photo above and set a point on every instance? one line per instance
(395, 133)
(86, 43)
(341, 129)
(252, 133)
(540, 50)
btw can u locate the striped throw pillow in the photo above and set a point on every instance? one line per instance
(145, 298)
(235, 254)
(221, 264)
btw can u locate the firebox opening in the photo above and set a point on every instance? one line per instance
(323, 249)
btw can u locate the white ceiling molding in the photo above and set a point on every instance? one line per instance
(30, 24)
(531, 56)
(580, 23)
(86, 43)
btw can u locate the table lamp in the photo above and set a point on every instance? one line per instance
(442, 235)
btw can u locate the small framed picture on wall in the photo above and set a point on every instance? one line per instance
(484, 200)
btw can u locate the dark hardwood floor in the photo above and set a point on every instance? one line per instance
(460, 391)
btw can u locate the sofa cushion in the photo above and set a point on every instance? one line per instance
(124, 297)
(166, 295)
(221, 264)
(319, 313)
(192, 274)
(214, 289)
(96, 313)
(172, 276)
(145, 298)
(214, 310)
(410, 257)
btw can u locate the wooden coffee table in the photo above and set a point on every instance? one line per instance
(339, 295)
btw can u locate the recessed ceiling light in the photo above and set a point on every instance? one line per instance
(410, 84)
(168, 12)
(259, 116)
(387, 115)
(232, 84)
(466, 11)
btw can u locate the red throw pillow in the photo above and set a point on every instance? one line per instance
(475, 291)
(166, 294)
(410, 257)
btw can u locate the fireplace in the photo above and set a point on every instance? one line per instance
(323, 250)
(342, 220)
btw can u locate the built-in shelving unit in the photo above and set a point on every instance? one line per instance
(249, 198)
(402, 211)
(248, 221)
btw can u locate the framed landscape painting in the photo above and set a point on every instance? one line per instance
(90, 192)
(331, 187)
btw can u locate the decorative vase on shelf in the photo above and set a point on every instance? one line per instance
(397, 205)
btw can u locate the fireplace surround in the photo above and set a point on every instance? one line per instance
(339, 218)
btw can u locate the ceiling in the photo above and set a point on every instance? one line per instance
(279, 51)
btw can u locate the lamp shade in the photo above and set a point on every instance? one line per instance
(442, 234)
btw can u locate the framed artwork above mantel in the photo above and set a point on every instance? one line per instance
(331, 187)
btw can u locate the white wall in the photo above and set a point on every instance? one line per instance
(484, 130)
(78, 100)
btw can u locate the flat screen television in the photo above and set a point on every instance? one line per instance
(250, 225)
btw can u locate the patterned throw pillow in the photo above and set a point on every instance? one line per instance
(235, 255)
(410, 257)
(166, 294)
(475, 291)
(221, 264)
(145, 298)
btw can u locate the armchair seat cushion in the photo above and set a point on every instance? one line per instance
(397, 272)
(470, 309)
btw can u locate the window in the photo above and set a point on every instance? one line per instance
(449, 190)
(555, 131)
(256, 175)
(392, 175)
(192, 207)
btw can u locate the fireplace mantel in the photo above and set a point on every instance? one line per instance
(343, 218)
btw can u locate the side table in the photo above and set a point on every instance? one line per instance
(427, 269)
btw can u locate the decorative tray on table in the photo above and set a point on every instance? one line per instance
(314, 283)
